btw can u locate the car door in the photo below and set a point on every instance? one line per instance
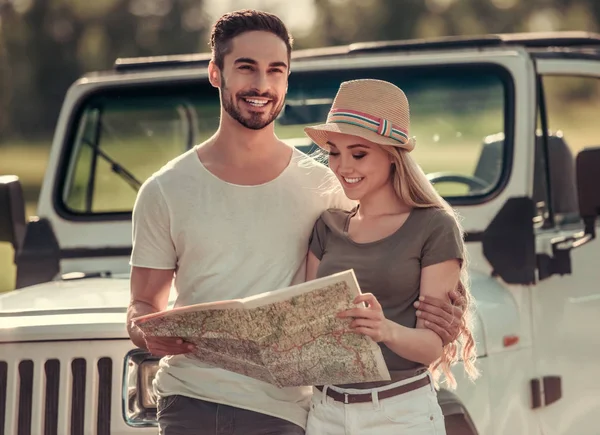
(566, 308)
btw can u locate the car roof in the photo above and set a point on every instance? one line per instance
(535, 42)
(565, 44)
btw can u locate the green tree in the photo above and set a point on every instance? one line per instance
(47, 45)
(344, 21)
(348, 21)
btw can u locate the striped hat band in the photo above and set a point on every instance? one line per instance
(382, 127)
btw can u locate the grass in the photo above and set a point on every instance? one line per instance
(445, 151)
(28, 161)
(7, 268)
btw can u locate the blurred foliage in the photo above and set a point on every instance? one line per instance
(346, 21)
(45, 45)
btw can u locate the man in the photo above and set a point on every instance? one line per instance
(232, 218)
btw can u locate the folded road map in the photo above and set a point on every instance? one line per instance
(287, 337)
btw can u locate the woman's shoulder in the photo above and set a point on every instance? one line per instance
(435, 214)
(330, 224)
(335, 218)
(436, 218)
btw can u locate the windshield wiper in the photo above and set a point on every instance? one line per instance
(115, 167)
(97, 152)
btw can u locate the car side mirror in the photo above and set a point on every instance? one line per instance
(587, 165)
(12, 214)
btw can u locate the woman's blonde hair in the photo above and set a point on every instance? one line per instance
(414, 189)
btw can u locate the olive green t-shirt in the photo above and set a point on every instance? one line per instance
(389, 268)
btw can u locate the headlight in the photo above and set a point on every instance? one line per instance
(139, 400)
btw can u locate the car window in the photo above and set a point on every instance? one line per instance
(572, 106)
(459, 117)
(120, 143)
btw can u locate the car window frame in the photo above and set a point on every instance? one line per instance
(73, 125)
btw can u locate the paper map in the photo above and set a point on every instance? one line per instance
(290, 337)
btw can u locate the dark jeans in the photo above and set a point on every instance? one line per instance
(181, 415)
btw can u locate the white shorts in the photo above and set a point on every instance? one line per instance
(416, 412)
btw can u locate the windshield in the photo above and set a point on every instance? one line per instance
(458, 116)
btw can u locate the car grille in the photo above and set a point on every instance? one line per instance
(61, 388)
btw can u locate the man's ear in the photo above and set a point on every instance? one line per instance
(214, 74)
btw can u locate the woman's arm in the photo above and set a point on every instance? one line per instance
(418, 344)
(312, 264)
(422, 344)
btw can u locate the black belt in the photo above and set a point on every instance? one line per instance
(385, 394)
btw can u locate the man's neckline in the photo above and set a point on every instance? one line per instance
(293, 154)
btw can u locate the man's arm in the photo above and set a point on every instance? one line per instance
(441, 316)
(150, 294)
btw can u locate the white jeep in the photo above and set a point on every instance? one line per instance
(499, 136)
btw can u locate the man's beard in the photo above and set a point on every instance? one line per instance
(255, 121)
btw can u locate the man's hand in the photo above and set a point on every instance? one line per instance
(164, 346)
(440, 316)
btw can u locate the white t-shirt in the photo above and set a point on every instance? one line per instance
(230, 241)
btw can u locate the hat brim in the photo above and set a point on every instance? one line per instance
(320, 135)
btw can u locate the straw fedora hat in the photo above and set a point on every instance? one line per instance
(375, 110)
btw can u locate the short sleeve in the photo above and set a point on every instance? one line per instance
(152, 243)
(318, 239)
(443, 240)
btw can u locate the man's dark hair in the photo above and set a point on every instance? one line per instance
(235, 23)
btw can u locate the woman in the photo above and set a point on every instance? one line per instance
(403, 241)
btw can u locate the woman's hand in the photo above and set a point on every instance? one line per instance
(369, 320)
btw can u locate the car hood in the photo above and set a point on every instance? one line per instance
(96, 308)
(68, 296)
(73, 309)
